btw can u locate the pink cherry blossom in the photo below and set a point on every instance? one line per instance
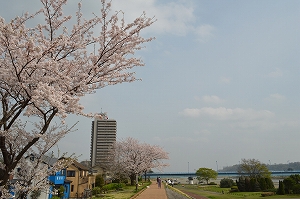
(47, 68)
(131, 158)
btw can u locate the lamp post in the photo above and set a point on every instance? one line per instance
(217, 166)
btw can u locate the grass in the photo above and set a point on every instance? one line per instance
(126, 193)
(215, 192)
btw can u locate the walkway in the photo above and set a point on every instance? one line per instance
(153, 192)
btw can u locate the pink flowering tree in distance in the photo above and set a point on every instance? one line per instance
(132, 158)
(45, 69)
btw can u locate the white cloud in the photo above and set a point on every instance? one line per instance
(173, 17)
(212, 99)
(222, 113)
(276, 73)
(176, 17)
(225, 80)
(275, 98)
(204, 32)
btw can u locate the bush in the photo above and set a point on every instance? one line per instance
(99, 181)
(265, 194)
(234, 189)
(226, 183)
(113, 186)
(96, 190)
(296, 189)
(262, 184)
(280, 190)
(212, 183)
(270, 184)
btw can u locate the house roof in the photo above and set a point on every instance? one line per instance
(44, 158)
(51, 161)
(80, 166)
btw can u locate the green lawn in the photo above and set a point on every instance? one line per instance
(215, 192)
(126, 193)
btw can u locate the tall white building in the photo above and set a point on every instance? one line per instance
(104, 133)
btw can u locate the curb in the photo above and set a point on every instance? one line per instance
(178, 191)
(139, 193)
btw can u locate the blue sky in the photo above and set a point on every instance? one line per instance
(220, 82)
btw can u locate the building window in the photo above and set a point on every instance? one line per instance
(72, 188)
(63, 172)
(82, 174)
(70, 173)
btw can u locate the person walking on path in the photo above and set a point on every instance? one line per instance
(159, 182)
(152, 192)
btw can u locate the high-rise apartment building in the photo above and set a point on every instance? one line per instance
(104, 132)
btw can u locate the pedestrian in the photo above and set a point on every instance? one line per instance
(169, 182)
(159, 182)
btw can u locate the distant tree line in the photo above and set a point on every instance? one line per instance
(292, 166)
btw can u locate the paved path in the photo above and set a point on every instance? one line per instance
(153, 192)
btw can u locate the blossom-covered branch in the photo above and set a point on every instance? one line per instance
(130, 157)
(45, 69)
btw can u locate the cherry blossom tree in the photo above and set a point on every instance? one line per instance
(45, 69)
(132, 158)
(32, 174)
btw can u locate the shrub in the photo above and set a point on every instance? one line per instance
(241, 184)
(99, 180)
(262, 183)
(296, 189)
(265, 194)
(61, 191)
(234, 189)
(96, 190)
(270, 184)
(113, 186)
(226, 183)
(280, 190)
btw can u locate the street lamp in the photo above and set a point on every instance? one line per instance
(217, 166)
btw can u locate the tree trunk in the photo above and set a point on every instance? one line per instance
(132, 178)
(136, 182)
